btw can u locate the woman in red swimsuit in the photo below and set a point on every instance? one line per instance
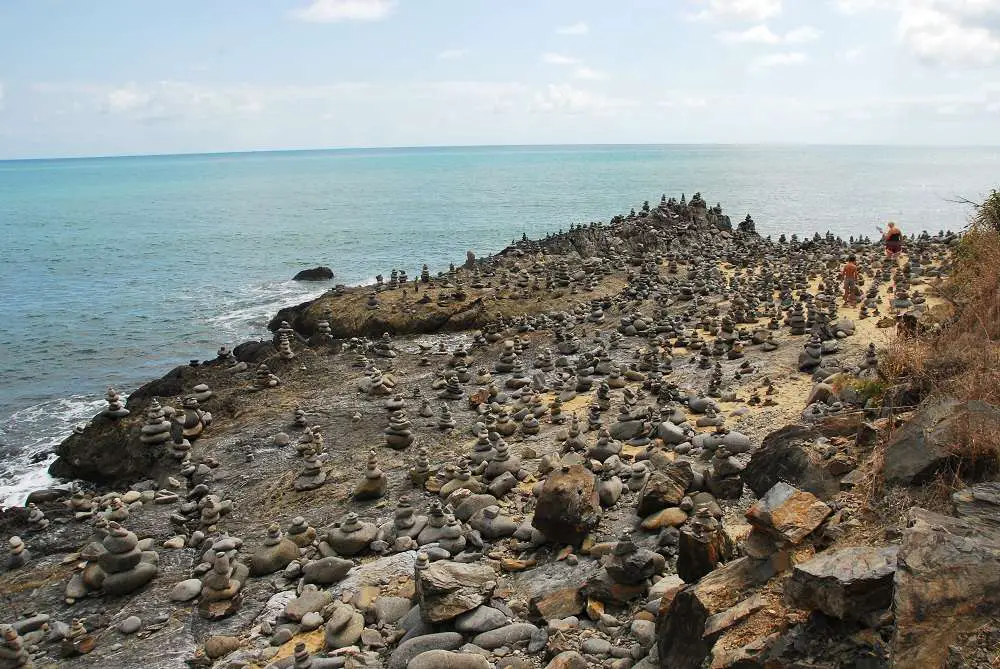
(893, 239)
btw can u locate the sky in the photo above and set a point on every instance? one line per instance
(111, 77)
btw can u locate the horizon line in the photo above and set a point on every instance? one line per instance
(496, 146)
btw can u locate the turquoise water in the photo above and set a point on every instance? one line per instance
(113, 270)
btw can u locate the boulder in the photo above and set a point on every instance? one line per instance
(700, 551)
(480, 619)
(185, 591)
(310, 600)
(681, 628)
(389, 610)
(568, 659)
(505, 636)
(411, 648)
(448, 589)
(320, 273)
(344, 627)
(671, 434)
(603, 588)
(568, 505)
(980, 506)
(444, 659)
(788, 514)
(847, 583)
(270, 559)
(665, 487)
(918, 450)
(326, 571)
(220, 646)
(947, 583)
(786, 455)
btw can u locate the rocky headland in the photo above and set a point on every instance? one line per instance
(661, 442)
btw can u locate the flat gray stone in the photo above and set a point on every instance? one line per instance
(185, 591)
(408, 650)
(130, 625)
(480, 619)
(505, 636)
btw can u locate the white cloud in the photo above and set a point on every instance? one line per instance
(237, 105)
(737, 10)
(854, 53)
(947, 33)
(584, 72)
(779, 59)
(578, 28)
(684, 101)
(858, 6)
(128, 99)
(566, 99)
(559, 59)
(761, 34)
(334, 11)
(940, 38)
(803, 34)
(453, 54)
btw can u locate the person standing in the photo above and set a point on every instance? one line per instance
(850, 276)
(893, 238)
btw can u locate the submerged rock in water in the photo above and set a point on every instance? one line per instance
(320, 273)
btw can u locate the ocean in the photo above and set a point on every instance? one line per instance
(115, 270)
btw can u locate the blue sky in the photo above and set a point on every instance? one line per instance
(135, 76)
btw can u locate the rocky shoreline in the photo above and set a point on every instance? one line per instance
(642, 444)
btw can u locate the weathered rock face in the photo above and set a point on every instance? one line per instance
(109, 451)
(320, 273)
(665, 487)
(568, 506)
(845, 584)
(980, 506)
(447, 589)
(788, 514)
(919, 450)
(785, 455)
(947, 582)
(701, 550)
(684, 638)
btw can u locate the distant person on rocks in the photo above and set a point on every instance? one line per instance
(850, 276)
(893, 238)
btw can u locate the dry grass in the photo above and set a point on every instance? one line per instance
(962, 359)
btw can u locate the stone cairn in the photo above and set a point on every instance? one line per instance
(115, 408)
(117, 565)
(156, 431)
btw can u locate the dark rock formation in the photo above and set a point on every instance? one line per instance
(568, 506)
(921, 448)
(947, 583)
(786, 455)
(847, 584)
(320, 273)
(681, 629)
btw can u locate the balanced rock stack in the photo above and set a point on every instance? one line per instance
(117, 565)
(18, 555)
(157, 428)
(221, 586)
(399, 434)
(13, 654)
(115, 408)
(373, 485)
(276, 554)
